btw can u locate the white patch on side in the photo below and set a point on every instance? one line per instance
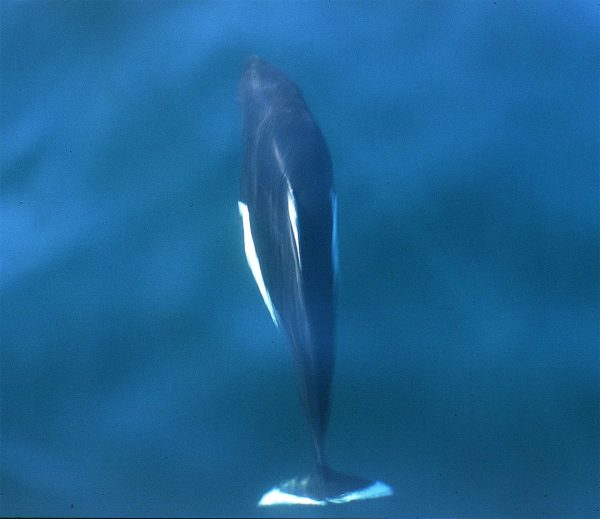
(293, 214)
(334, 233)
(253, 260)
(294, 221)
(278, 157)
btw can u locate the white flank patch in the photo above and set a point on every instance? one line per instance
(334, 232)
(294, 221)
(277, 497)
(278, 157)
(293, 214)
(253, 260)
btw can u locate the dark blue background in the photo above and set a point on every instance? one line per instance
(140, 372)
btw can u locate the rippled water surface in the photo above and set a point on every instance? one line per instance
(140, 372)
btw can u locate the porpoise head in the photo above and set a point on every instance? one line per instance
(264, 89)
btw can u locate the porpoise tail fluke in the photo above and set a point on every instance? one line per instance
(323, 486)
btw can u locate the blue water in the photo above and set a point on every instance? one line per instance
(140, 371)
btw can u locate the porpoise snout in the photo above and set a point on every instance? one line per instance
(262, 87)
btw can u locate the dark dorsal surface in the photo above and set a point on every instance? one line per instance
(287, 197)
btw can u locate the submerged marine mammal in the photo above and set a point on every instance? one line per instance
(288, 210)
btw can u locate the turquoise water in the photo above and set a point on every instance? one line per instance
(140, 371)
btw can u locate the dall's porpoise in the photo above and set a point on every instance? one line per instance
(288, 210)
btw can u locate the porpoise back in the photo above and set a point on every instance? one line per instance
(288, 205)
